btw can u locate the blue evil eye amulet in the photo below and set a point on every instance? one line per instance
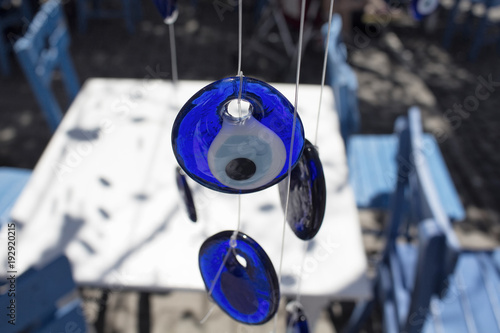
(237, 151)
(307, 202)
(242, 278)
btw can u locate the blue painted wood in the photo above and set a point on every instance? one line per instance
(45, 300)
(14, 16)
(371, 158)
(42, 50)
(390, 316)
(131, 12)
(373, 172)
(480, 33)
(470, 302)
(450, 290)
(342, 79)
(12, 182)
(479, 38)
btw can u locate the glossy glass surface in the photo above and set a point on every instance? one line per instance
(247, 288)
(307, 202)
(295, 318)
(167, 9)
(234, 154)
(186, 195)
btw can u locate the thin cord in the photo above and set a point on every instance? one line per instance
(240, 33)
(240, 42)
(209, 313)
(325, 61)
(232, 241)
(299, 63)
(173, 54)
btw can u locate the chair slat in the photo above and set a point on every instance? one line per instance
(441, 177)
(42, 50)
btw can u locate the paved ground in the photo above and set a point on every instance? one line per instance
(397, 67)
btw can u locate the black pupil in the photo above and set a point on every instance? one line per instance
(241, 169)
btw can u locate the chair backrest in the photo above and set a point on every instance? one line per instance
(44, 49)
(45, 300)
(342, 79)
(438, 246)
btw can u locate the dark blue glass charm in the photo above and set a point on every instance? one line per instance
(236, 153)
(296, 321)
(168, 10)
(422, 8)
(306, 206)
(185, 192)
(247, 288)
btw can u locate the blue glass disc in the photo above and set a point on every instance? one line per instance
(185, 192)
(307, 203)
(236, 155)
(167, 9)
(249, 292)
(296, 321)
(422, 8)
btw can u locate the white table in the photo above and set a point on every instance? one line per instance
(104, 193)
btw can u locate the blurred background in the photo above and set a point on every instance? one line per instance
(399, 62)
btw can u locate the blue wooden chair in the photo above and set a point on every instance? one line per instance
(43, 50)
(428, 283)
(10, 16)
(480, 36)
(372, 158)
(46, 300)
(343, 80)
(131, 12)
(12, 182)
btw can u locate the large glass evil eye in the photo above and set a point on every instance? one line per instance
(237, 149)
(186, 195)
(242, 278)
(296, 321)
(168, 10)
(307, 202)
(423, 8)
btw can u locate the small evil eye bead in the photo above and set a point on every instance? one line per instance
(296, 320)
(422, 8)
(168, 10)
(235, 149)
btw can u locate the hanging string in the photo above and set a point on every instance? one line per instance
(325, 60)
(323, 77)
(299, 63)
(232, 242)
(240, 33)
(173, 54)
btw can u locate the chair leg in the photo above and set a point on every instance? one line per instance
(4, 58)
(451, 25)
(81, 15)
(69, 77)
(137, 11)
(361, 312)
(479, 37)
(128, 15)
